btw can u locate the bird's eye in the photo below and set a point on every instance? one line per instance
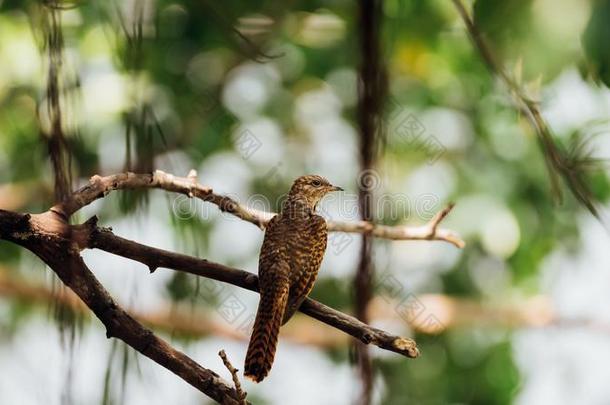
(316, 183)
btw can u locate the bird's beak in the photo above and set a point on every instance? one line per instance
(335, 188)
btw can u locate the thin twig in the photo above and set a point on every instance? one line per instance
(234, 374)
(438, 218)
(99, 187)
(428, 231)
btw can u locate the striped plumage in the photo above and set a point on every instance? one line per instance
(292, 251)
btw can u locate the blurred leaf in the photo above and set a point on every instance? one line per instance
(504, 23)
(180, 287)
(596, 41)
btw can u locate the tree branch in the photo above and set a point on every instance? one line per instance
(49, 237)
(154, 258)
(99, 187)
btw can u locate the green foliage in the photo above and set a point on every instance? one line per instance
(474, 375)
(504, 23)
(596, 39)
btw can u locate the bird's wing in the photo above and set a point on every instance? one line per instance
(273, 250)
(312, 245)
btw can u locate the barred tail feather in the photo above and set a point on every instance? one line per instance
(263, 342)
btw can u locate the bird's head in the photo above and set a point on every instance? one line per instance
(310, 189)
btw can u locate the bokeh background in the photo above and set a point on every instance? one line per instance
(254, 94)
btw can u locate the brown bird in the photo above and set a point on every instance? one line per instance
(292, 251)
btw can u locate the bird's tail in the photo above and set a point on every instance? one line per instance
(263, 342)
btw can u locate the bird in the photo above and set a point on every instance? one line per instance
(290, 257)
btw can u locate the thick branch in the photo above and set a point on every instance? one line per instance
(44, 236)
(154, 258)
(99, 187)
